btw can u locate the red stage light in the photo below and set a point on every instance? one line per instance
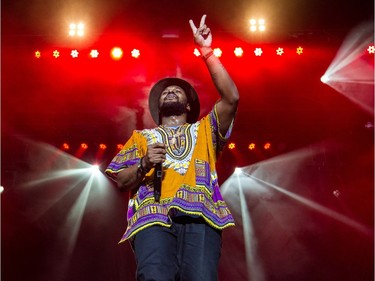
(120, 146)
(232, 145)
(102, 146)
(299, 50)
(251, 146)
(38, 54)
(84, 146)
(65, 146)
(267, 146)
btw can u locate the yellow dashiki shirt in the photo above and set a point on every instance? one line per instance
(189, 184)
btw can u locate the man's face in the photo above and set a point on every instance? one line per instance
(173, 101)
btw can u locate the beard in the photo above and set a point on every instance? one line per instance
(174, 108)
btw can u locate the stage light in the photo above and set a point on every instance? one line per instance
(238, 52)
(237, 171)
(84, 146)
(102, 146)
(232, 145)
(299, 50)
(217, 52)
(76, 29)
(94, 54)
(258, 52)
(56, 53)
(95, 169)
(120, 146)
(72, 29)
(371, 49)
(324, 79)
(74, 54)
(262, 25)
(135, 53)
(251, 146)
(65, 146)
(257, 25)
(337, 193)
(253, 25)
(80, 29)
(116, 53)
(350, 73)
(262, 28)
(196, 52)
(369, 125)
(279, 51)
(37, 54)
(267, 146)
(1, 189)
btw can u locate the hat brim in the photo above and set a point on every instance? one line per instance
(191, 94)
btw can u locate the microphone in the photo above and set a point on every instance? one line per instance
(158, 173)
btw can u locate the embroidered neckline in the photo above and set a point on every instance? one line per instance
(178, 140)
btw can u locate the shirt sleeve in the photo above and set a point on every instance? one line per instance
(128, 156)
(218, 139)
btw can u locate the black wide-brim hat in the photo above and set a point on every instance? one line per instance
(191, 94)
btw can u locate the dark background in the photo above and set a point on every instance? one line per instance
(321, 141)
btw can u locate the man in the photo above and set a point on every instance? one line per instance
(176, 234)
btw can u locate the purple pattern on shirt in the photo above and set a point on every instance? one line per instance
(202, 200)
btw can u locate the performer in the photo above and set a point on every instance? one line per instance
(178, 236)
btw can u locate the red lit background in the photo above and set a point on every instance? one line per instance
(65, 102)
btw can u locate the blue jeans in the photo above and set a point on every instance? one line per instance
(188, 251)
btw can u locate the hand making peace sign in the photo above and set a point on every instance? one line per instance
(202, 34)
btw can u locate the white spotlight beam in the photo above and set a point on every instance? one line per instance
(317, 207)
(349, 73)
(254, 267)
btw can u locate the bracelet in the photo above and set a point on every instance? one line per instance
(206, 56)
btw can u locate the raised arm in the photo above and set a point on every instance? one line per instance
(227, 105)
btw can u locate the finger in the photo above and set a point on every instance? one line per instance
(159, 161)
(157, 158)
(193, 27)
(158, 145)
(156, 151)
(207, 31)
(160, 151)
(203, 19)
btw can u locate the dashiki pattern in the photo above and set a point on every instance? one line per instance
(189, 184)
